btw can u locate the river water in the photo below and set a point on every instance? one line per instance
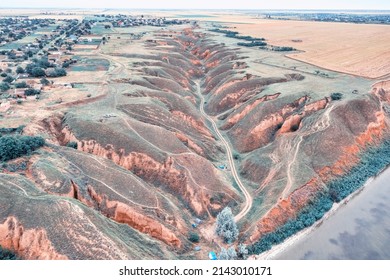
(359, 229)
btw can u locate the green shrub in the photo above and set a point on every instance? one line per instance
(4, 87)
(72, 144)
(31, 91)
(8, 79)
(193, 237)
(19, 70)
(21, 85)
(7, 255)
(283, 49)
(336, 96)
(38, 72)
(57, 72)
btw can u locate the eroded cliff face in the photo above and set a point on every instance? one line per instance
(288, 208)
(166, 173)
(123, 213)
(282, 139)
(31, 244)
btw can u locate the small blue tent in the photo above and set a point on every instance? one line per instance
(213, 256)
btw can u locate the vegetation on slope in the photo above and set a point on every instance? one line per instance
(372, 162)
(7, 255)
(15, 146)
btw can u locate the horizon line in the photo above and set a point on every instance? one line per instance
(195, 9)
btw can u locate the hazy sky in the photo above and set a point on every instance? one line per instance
(204, 4)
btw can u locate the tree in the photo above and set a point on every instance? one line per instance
(242, 251)
(226, 226)
(8, 79)
(57, 72)
(19, 70)
(31, 91)
(21, 85)
(15, 146)
(229, 254)
(4, 87)
(193, 237)
(38, 72)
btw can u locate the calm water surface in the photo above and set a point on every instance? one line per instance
(358, 230)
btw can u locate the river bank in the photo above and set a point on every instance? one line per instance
(335, 234)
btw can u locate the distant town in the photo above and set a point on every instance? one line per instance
(35, 50)
(380, 18)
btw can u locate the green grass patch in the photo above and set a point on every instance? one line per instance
(90, 65)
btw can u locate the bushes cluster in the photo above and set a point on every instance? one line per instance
(72, 144)
(7, 255)
(31, 91)
(14, 146)
(252, 44)
(234, 34)
(21, 85)
(372, 161)
(227, 254)
(283, 49)
(38, 67)
(56, 72)
(11, 130)
(336, 96)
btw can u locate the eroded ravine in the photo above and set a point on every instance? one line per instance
(248, 198)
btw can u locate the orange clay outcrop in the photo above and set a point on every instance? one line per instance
(262, 132)
(149, 163)
(198, 125)
(123, 213)
(169, 173)
(31, 244)
(145, 167)
(188, 142)
(236, 116)
(291, 123)
(287, 208)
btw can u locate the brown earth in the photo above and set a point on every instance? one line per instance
(146, 162)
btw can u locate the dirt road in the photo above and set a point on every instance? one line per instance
(248, 197)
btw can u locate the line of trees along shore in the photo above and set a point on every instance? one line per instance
(372, 161)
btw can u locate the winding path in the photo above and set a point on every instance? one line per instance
(248, 197)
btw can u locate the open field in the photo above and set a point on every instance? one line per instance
(351, 48)
(358, 49)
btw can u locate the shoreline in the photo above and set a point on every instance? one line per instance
(281, 247)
